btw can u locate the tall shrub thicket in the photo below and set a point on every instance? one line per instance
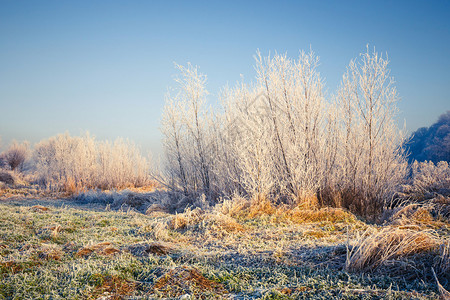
(71, 163)
(280, 138)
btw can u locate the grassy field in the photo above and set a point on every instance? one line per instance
(76, 248)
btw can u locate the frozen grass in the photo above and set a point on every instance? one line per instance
(387, 245)
(78, 251)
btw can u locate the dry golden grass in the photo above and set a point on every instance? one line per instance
(317, 234)
(39, 208)
(14, 267)
(224, 223)
(334, 215)
(412, 213)
(416, 216)
(262, 208)
(71, 187)
(201, 219)
(156, 210)
(184, 280)
(50, 252)
(188, 218)
(150, 187)
(104, 248)
(54, 229)
(157, 248)
(307, 200)
(234, 207)
(112, 287)
(374, 249)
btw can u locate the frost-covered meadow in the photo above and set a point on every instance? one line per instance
(284, 191)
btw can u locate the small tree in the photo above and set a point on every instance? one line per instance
(186, 131)
(372, 159)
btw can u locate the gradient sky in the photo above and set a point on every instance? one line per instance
(105, 66)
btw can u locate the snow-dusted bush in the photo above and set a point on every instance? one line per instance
(71, 163)
(370, 162)
(15, 156)
(427, 177)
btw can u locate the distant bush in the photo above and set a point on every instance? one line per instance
(428, 178)
(72, 164)
(14, 157)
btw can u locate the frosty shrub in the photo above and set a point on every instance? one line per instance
(280, 138)
(427, 177)
(14, 157)
(71, 163)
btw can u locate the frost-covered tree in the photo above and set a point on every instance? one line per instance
(372, 159)
(293, 90)
(185, 127)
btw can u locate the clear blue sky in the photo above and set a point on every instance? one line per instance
(104, 66)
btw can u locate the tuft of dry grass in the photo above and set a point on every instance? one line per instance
(144, 249)
(72, 187)
(307, 200)
(156, 209)
(233, 207)
(260, 207)
(14, 267)
(186, 280)
(104, 248)
(334, 215)
(188, 218)
(200, 219)
(244, 209)
(411, 213)
(443, 262)
(375, 249)
(416, 215)
(39, 208)
(111, 287)
(50, 252)
(54, 230)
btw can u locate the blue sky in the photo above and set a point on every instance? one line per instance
(104, 66)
